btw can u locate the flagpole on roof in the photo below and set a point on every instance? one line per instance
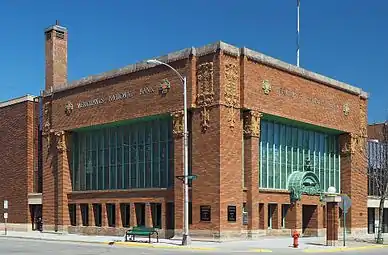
(297, 33)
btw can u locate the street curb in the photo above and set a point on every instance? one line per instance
(148, 245)
(261, 250)
(341, 249)
(50, 240)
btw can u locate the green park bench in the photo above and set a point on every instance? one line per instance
(141, 231)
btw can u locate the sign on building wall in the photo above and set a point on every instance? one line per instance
(205, 212)
(231, 213)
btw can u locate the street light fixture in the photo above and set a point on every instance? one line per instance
(186, 238)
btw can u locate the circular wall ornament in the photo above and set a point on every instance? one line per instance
(164, 86)
(346, 109)
(266, 86)
(69, 108)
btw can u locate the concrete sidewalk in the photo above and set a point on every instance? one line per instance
(266, 244)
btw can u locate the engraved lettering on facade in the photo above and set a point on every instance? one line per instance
(111, 98)
(147, 90)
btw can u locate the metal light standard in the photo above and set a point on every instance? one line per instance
(186, 238)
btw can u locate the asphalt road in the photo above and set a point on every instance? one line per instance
(32, 247)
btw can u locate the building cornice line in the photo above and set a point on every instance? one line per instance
(17, 100)
(209, 49)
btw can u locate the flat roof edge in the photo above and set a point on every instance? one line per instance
(212, 48)
(17, 100)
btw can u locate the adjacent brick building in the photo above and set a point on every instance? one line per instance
(266, 138)
(377, 177)
(19, 170)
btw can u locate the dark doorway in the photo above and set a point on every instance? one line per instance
(371, 220)
(170, 223)
(310, 220)
(35, 213)
(140, 214)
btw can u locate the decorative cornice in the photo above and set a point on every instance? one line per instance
(17, 100)
(209, 49)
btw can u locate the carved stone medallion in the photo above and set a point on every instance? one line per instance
(346, 109)
(69, 108)
(266, 85)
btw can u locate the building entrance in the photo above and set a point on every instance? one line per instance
(310, 220)
(35, 213)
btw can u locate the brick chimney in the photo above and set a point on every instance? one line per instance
(56, 56)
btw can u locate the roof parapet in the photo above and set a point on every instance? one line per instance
(213, 48)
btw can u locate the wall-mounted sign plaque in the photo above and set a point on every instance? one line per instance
(232, 213)
(205, 213)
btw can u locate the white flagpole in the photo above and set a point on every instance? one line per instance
(297, 33)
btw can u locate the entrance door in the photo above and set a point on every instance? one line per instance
(170, 220)
(309, 220)
(371, 220)
(35, 213)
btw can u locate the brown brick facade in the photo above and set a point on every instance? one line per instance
(227, 99)
(18, 161)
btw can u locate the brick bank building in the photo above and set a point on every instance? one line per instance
(266, 138)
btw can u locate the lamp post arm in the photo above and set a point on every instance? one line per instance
(172, 68)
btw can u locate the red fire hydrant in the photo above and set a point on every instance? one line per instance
(295, 236)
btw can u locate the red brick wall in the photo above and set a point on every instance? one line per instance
(57, 183)
(298, 103)
(375, 131)
(17, 159)
(217, 128)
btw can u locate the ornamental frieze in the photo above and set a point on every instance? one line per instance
(231, 91)
(177, 123)
(61, 141)
(205, 92)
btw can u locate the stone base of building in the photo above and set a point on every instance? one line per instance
(206, 235)
(333, 243)
(22, 227)
(103, 231)
(354, 233)
(55, 229)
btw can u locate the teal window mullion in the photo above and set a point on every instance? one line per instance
(116, 167)
(334, 163)
(329, 168)
(129, 159)
(144, 156)
(319, 158)
(108, 164)
(286, 156)
(90, 161)
(85, 149)
(73, 161)
(103, 160)
(261, 182)
(78, 177)
(137, 156)
(122, 132)
(167, 155)
(159, 156)
(267, 160)
(97, 159)
(152, 155)
(339, 172)
(280, 158)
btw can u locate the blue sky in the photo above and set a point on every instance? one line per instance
(346, 40)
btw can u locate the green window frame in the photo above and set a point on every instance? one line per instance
(133, 155)
(285, 148)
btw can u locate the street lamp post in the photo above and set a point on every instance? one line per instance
(186, 238)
